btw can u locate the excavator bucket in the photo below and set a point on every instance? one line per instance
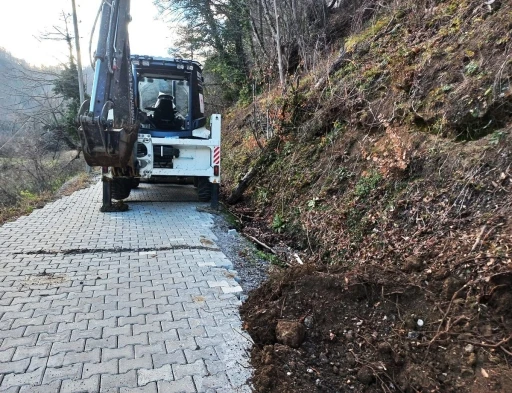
(115, 150)
(107, 147)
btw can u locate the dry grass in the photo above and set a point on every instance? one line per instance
(25, 206)
(79, 182)
(28, 201)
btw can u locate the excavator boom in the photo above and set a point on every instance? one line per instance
(107, 124)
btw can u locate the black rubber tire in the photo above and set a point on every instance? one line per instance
(196, 181)
(120, 188)
(204, 189)
(135, 182)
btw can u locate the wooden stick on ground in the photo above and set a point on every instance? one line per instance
(252, 238)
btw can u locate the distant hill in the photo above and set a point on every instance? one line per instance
(8, 64)
(24, 90)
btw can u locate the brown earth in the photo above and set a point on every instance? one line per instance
(363, 333)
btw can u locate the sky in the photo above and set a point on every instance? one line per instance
(23, 21)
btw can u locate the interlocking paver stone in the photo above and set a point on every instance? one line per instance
(117, 353)
(83, 385)
(16, 367)
(105, 320)
(110, 367)
(147, 350)
(32, 378)
(211, 383)
(183, 370)
(17, 342)
(52, 374)
(161, 359)
(135, 364)
(6, 355)
(109, 381)
(12, 333)
(42, 350)
(184, 385)
(110, 342)
(47, 388)
(145, 376)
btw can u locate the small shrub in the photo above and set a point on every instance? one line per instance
(312, 203)
(471, 68)
(27, 195)
(343, 173)
(278, 223)
(496, 137)
(368, 183)
(262, 196)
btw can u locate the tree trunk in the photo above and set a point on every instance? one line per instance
(265, 160)
(78, 55)
(279, 49)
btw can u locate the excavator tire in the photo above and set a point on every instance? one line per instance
(204, 189)
(120, 188)
(135, 182)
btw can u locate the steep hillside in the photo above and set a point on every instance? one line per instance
(388, 171)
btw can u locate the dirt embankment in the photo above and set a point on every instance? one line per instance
(392, 180)
(420, 302)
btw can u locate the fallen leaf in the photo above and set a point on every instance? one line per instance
(484, 373)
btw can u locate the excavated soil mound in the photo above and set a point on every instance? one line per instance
(372, 330)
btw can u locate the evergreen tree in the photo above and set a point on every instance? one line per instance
(66, 85)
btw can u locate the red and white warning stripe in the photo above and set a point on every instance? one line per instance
(216, 155)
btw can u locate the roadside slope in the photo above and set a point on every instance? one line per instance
(392, 178)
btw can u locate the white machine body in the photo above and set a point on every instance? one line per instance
(182, 157)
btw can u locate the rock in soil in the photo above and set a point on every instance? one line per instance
(365, 375)
(308, 321)
(351, 360)
(385, 348)
(413, 264)
(290, 333)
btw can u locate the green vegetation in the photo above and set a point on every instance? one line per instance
(278, 223)
(273, 259)
(471, 68)
(66, 86)
(26, 200)
(367, 183)
(394, 169)
(312, 203)
(366, 34)
(231, 219)
(497, 137)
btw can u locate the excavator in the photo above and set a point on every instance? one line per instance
(146, 116)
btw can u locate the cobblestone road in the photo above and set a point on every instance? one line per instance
(140, 301)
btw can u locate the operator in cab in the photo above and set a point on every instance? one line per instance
(165, 116)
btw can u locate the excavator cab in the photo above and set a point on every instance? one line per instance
(169, 95)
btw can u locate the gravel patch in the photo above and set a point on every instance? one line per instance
(251, 268)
